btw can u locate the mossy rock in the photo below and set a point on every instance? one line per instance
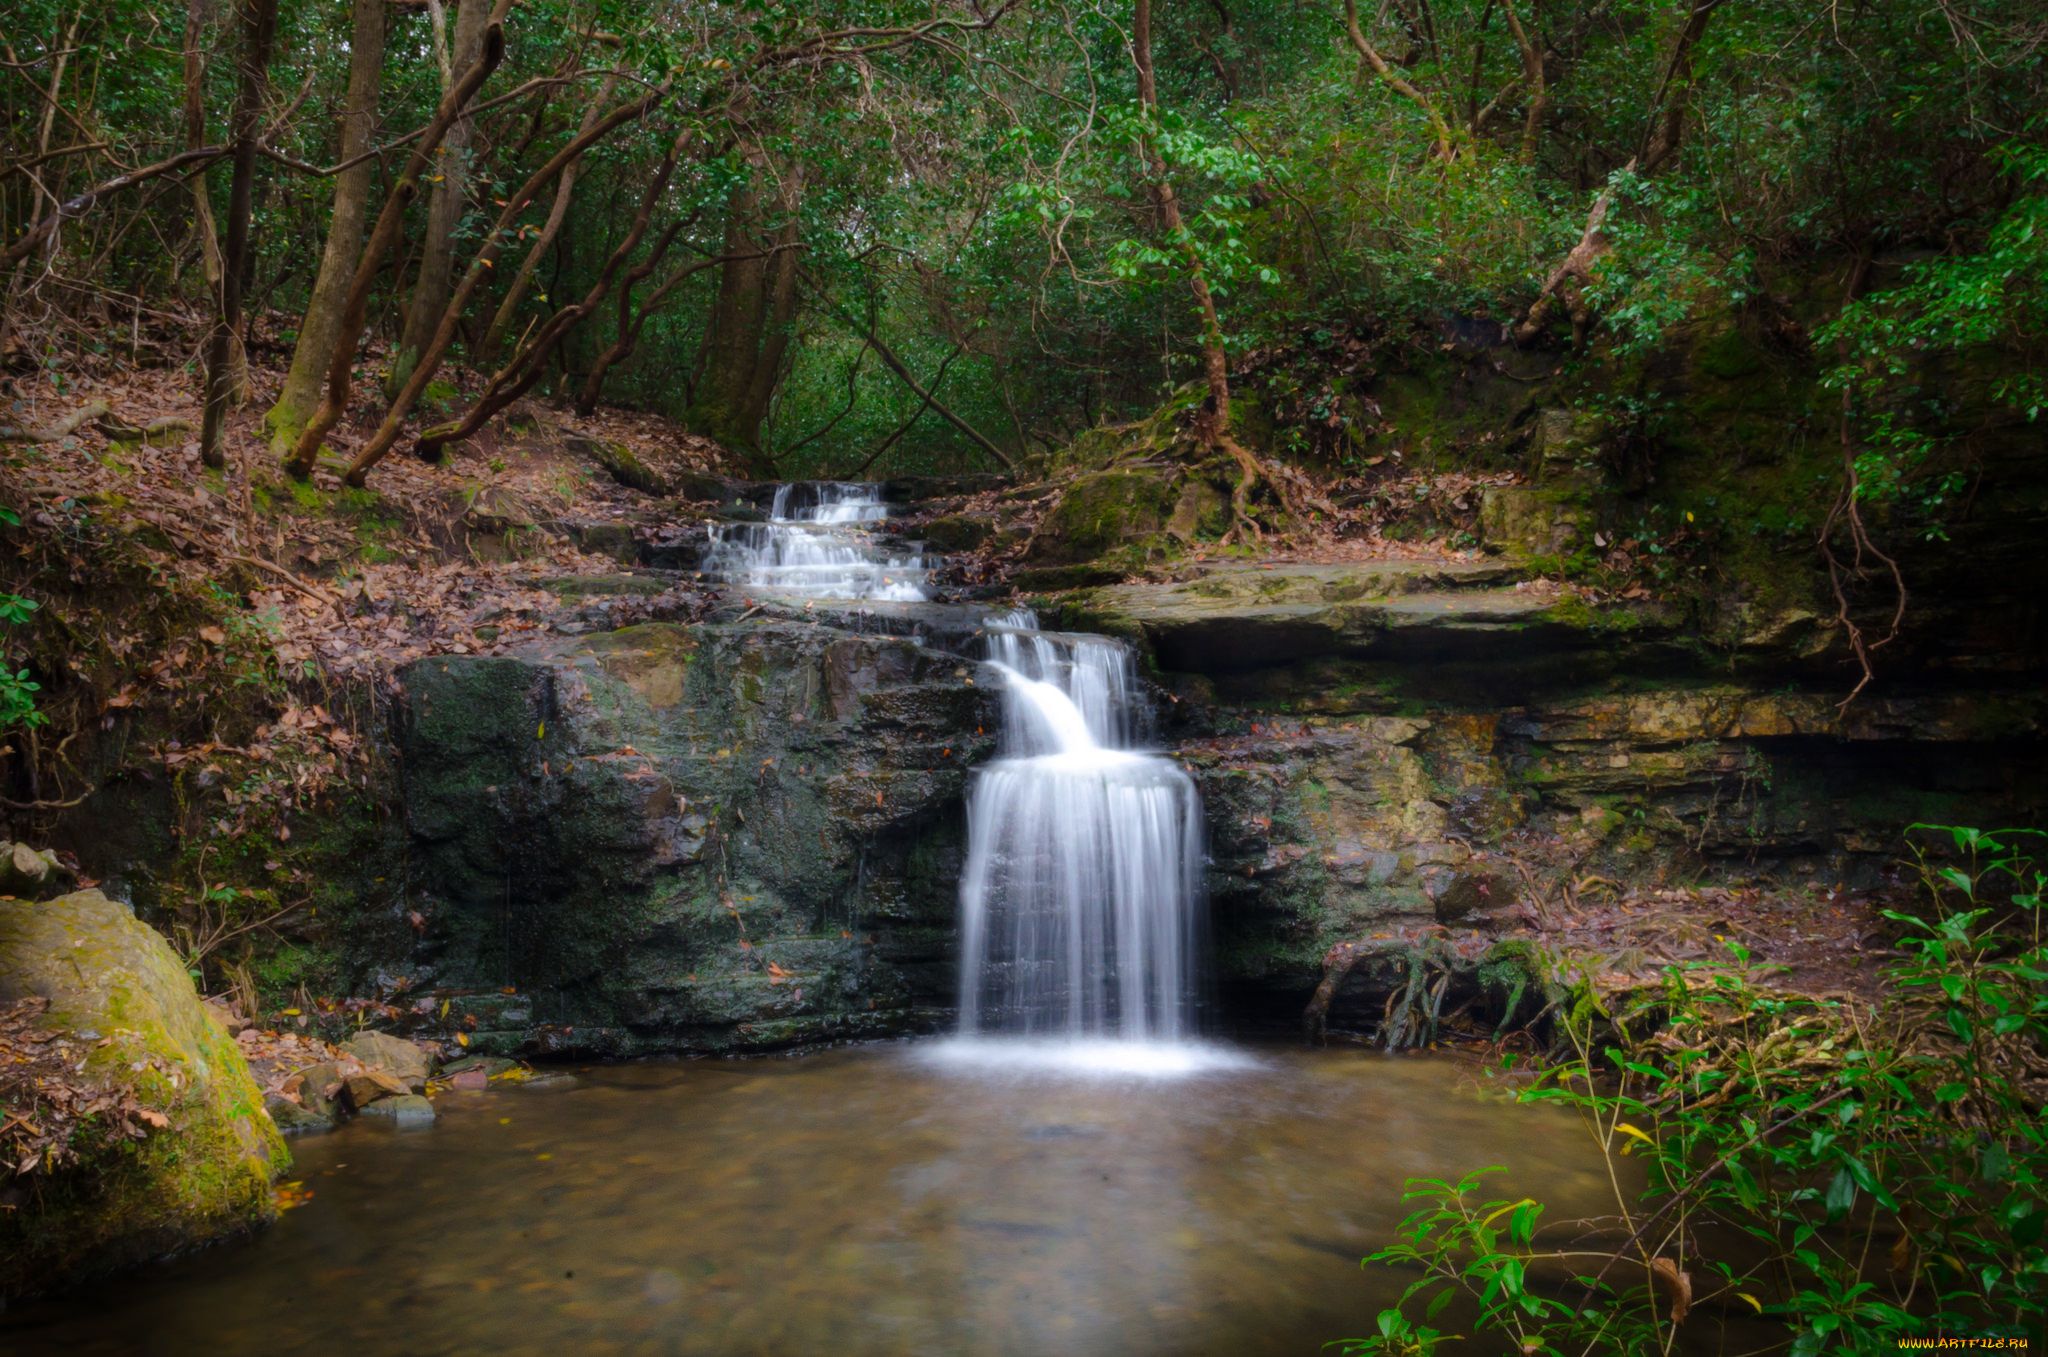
(1531, 522)
(956, 532)
(115, 985)
(1099, 512)
(624, 465)
(1567, 446)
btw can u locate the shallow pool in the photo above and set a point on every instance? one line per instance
(889, 1199)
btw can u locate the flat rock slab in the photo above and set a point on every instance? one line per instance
(1237, 618)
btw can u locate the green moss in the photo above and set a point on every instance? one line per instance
(205, 1174)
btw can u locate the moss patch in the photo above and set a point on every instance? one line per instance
(115, 985)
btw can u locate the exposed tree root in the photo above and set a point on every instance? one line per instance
(1845, 512)
(63, 428)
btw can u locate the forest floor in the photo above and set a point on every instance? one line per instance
(353, 580)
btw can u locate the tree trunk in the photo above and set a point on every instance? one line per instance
(259, 28)
(344, 232)
(355, 311)
(1674, 99)
(445, 207)
(565, 189)
(630, 321)
(518, 376)
(1215, 365)
(203, 227)
(1439, 130)
(928, 396)
(749, 331)
(1532, 75)
(486, 259)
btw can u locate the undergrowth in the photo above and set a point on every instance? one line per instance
(1820, 1175)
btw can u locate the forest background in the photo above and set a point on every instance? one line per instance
(799, 228)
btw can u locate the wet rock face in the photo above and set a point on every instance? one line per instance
(115, 988)
(687, 839)
(1355, 828)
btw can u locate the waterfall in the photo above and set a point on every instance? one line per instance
(1079, 903)
(815, 545)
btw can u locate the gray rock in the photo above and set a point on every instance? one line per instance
(322, 1091)
(292, 1119)
(28, 874)
(410, 1113)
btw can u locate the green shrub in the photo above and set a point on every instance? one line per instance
(1829, 1176)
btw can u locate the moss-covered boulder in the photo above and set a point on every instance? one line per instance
(115, 987)
(1098, 513)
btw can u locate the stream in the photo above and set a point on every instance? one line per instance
(882, 1200)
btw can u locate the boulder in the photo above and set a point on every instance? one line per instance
(956, 532)
(1099, 512)
(625, 466)
(394, 1056)
(366, 1086)
(115, 983)
(293, 1118)
(323, 1092)
(29, 874)
(1471, 898)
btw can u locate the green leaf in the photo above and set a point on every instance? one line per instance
(1841, 1194)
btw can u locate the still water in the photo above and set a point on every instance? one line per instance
(884, 1200)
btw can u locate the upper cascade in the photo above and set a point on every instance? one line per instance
(814, 545)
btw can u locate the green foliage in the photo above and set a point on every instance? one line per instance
(17, 688)
(1819, 1177)
(1900, 346)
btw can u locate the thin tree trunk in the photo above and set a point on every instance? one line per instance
(1215, 365)
(450, 197)
(341, 369)
(526, 368)
(1532, 73)
(71, 209)
(195, 137)
(317, 333)
(629, 336)
(781, 302)
(1213, 425)
(486, 259)
(1568, 281)
(930, 397)
(1439, 129)
(259, 29)
(629, 328)
(565, 189)
(1674, 98)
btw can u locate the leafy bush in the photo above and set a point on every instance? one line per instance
(1826, 1175)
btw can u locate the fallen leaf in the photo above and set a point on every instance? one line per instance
(1676, 1285)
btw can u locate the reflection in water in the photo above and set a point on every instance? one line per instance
(878, 1201)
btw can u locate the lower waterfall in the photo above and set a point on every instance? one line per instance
(1080, 902)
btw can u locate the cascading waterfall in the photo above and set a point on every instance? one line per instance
(1079, 915)
(813, 547)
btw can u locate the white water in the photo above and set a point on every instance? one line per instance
(1079, 903)
(814, 546)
